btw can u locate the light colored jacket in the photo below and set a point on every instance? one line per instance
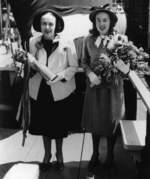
(63, 60)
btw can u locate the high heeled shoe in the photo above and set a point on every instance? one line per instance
(93, 163)
(46, 164)
(109, 162)
(59, 163)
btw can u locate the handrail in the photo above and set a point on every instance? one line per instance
(140, 88)
(1, 17)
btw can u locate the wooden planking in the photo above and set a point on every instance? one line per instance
(73, 145)
(36, 151)
(133, 134)
(11, 149)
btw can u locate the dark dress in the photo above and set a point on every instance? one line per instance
(103, 104)
(48, 117)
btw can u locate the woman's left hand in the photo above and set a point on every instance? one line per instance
(124, 68)
(105, 58)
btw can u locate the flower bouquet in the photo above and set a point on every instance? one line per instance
(118, 47)
(104, 68)
(22, 56)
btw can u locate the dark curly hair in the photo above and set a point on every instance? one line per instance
(95, 32)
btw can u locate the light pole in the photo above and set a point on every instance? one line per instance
(1, 18)
(149, 25)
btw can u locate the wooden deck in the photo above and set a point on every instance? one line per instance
(11, 149)
(12, 152)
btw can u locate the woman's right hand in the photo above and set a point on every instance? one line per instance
(94, 79)
(31, 58)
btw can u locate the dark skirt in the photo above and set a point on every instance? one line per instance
(48, 117)
(103, 108)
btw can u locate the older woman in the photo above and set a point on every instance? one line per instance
(51, 88)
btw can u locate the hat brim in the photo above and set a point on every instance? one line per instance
(40, 13)
(112, 15)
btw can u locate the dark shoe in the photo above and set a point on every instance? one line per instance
(59, 164)
(93, 163)
(108, 164)
(45, 166)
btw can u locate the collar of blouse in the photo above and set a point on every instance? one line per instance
(101, 39)
(40, 44)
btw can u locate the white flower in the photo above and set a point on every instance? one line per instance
(111, 44)
(117, 40)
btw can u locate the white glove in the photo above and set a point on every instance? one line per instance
(94, 79)
(124, 68)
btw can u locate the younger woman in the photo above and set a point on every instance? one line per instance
(104, 101)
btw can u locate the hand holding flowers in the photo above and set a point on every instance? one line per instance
(124, 68)
(22, 56)
(121, 55)
(120, 48)
(94, 79)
